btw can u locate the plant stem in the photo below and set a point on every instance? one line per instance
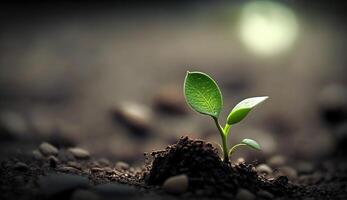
(232, 150)
(224, 140)
(226, 129)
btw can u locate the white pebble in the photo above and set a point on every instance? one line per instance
(176, 184)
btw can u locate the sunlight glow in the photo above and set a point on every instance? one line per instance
(268, 28)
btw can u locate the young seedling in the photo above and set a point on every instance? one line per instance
(203, 95)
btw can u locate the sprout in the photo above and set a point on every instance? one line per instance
(203, 95)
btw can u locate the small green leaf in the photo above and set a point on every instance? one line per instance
(251, 143)
(241, 110)
(202, 94)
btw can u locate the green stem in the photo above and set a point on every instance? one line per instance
(226, 129)
(224, 140)
(233, 149)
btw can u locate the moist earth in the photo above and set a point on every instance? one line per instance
(65, 176)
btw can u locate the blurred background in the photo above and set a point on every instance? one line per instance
(108, 76)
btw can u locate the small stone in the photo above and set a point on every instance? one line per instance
(67, 169)
(244, 194)
(264, 169)
(13, 126)
(112, 190)
(96, 170)
(37, 155)
(290, 172)
(53, 161)
(108, 169)
(104, 162)
(135, 116)
(276, 161)
(21, 166)
(54, 184)
(79, 153)
(48, 149)
(74, 164)
(240, 160)
(122, 165)
(265, 194)
(176, 184)
(170, 100)
(82, 194)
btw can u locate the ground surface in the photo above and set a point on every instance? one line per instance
(72, 175)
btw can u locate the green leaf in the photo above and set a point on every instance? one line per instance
(241, 110)
(202, 94)
(251, 143)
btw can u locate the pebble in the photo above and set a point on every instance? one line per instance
(264, 169)
(170, 100)
(265, 194)
(240, 160)
(122, 165)
(96, 170)
(108, 169)
(244, 194)
(53, 161)
(82, 194)
(37, 155)
(68, 169)
(79, 153)
(277, 161)
(290, 172)
(176, 184)
(104, 162)
(136, 116)
(13, 125)
(112, 190)
(21, 166)
(48, 149)
(54, 184)
(74, 164)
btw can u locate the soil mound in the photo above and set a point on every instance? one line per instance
(207, 173)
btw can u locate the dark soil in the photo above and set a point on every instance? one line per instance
(209, 177)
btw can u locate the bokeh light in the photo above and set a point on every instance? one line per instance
(268, 28)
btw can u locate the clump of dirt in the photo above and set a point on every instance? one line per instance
(208, 174)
